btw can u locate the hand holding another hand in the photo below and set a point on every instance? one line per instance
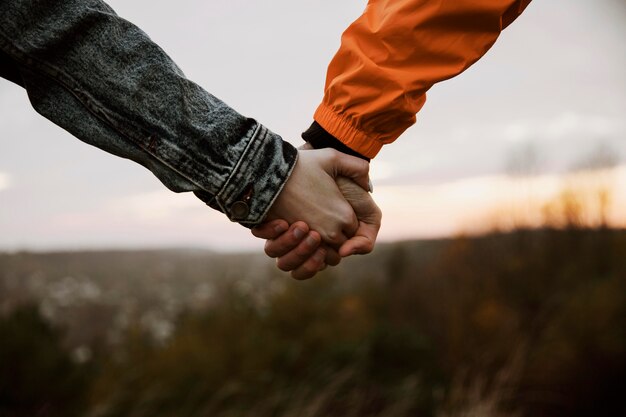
(301, 249)
(311, 194)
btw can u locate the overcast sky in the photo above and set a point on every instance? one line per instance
(553, 82)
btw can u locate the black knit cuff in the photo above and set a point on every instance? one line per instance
(9, 70)
(319, 138)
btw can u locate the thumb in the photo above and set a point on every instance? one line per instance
(362, 242)
(351, 167)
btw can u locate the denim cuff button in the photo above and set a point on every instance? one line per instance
(239, 211)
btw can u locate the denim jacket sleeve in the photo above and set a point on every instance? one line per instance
(102, 79)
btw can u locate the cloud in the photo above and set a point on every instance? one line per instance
(560, 127)
(564, 127)
(559, 142)
(5, 181)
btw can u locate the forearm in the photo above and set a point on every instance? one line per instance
(101, 78)
(393, 54)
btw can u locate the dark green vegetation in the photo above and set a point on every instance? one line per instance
(529, 323)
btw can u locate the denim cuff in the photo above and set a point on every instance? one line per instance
(257, 179)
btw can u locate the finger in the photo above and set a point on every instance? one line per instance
(271, 229)
(369, 215)
(332, 256)
(287, 241)
(352, 167)
(311, 267)
(363, 242)
(301, 253)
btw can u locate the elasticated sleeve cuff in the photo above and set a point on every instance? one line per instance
(353, 138)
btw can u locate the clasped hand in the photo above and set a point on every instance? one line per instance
(323, 213)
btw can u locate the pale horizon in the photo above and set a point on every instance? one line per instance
(551, 83)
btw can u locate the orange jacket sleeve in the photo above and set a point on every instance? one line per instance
(393, 53)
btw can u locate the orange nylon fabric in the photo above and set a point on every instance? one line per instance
(391, 56)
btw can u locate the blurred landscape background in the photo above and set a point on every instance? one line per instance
(524, 323)
(498, 288)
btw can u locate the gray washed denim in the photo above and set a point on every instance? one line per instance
(102, 79)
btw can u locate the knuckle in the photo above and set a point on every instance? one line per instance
(351, 225)
(310, 268)
(310, 244)
(302, 251)
(333, 156)
(283, 265)
(330, 152)
(334, 237)
(270, 250)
